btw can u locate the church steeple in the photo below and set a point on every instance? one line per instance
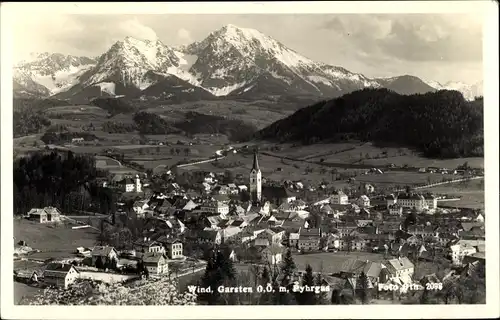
(255, 161)
(255, 180)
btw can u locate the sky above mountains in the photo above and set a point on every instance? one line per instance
(440, 47)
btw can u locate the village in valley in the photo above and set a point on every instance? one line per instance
(359, 243)
(308, 159)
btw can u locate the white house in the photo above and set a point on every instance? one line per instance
(174, 249)
(339, 197)
(363, 201)
(401, 270)
(412, 200)
(60, 275)
(155, 263)
(459, 251)
(430, 201)
(45, 215)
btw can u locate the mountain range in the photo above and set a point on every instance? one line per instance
(231, 62)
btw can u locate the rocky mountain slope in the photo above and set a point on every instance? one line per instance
(230, 62)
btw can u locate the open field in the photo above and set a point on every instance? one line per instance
(471, 193)
(403, 178)
(260, 113)
(365, 153)
(271, 168)
(331, 262)
(24, 292)
(52, 241)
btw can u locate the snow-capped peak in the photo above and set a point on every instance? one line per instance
(469, 91)
(54, 71)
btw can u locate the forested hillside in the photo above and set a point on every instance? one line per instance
(439, 124)
(61, 180)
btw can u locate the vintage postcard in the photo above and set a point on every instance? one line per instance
(214, 160)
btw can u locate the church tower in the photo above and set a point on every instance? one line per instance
(255, 181)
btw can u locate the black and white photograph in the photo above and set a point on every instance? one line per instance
(267, 157)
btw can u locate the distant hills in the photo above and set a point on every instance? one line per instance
(230, 63)
(439, 124)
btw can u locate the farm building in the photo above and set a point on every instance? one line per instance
(60, 275)
(105, 253)
(155, 262)
(45, 215)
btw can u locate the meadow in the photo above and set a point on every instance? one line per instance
(52, 241)
(369, 154)
(471, 194)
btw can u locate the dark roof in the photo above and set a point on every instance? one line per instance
(276, 192)
(255, 165)
(102, 251)
(208, 234)
(127, 181)
(313, 232)
(410, 196)
(56, 266)
(152, 257)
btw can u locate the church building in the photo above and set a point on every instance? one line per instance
(255, 181)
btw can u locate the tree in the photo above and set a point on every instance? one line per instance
(307, 297)
(363, 292)
(288, 267)
(219, 271)
(321, 296)
(99, 264)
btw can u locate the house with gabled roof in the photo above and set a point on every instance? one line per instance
(155, 262)
(45, 215)
(339, 197)
(210, 236)
(105, 253)
(61, 275)
(401, 269)
(147, 245)
(173, 247)
(309, 239)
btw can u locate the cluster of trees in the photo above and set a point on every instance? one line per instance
(118, 127)
(150, 123)
(61, 180)
(60, 137)
(235, 130)
(27, 122)
(439, 124)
